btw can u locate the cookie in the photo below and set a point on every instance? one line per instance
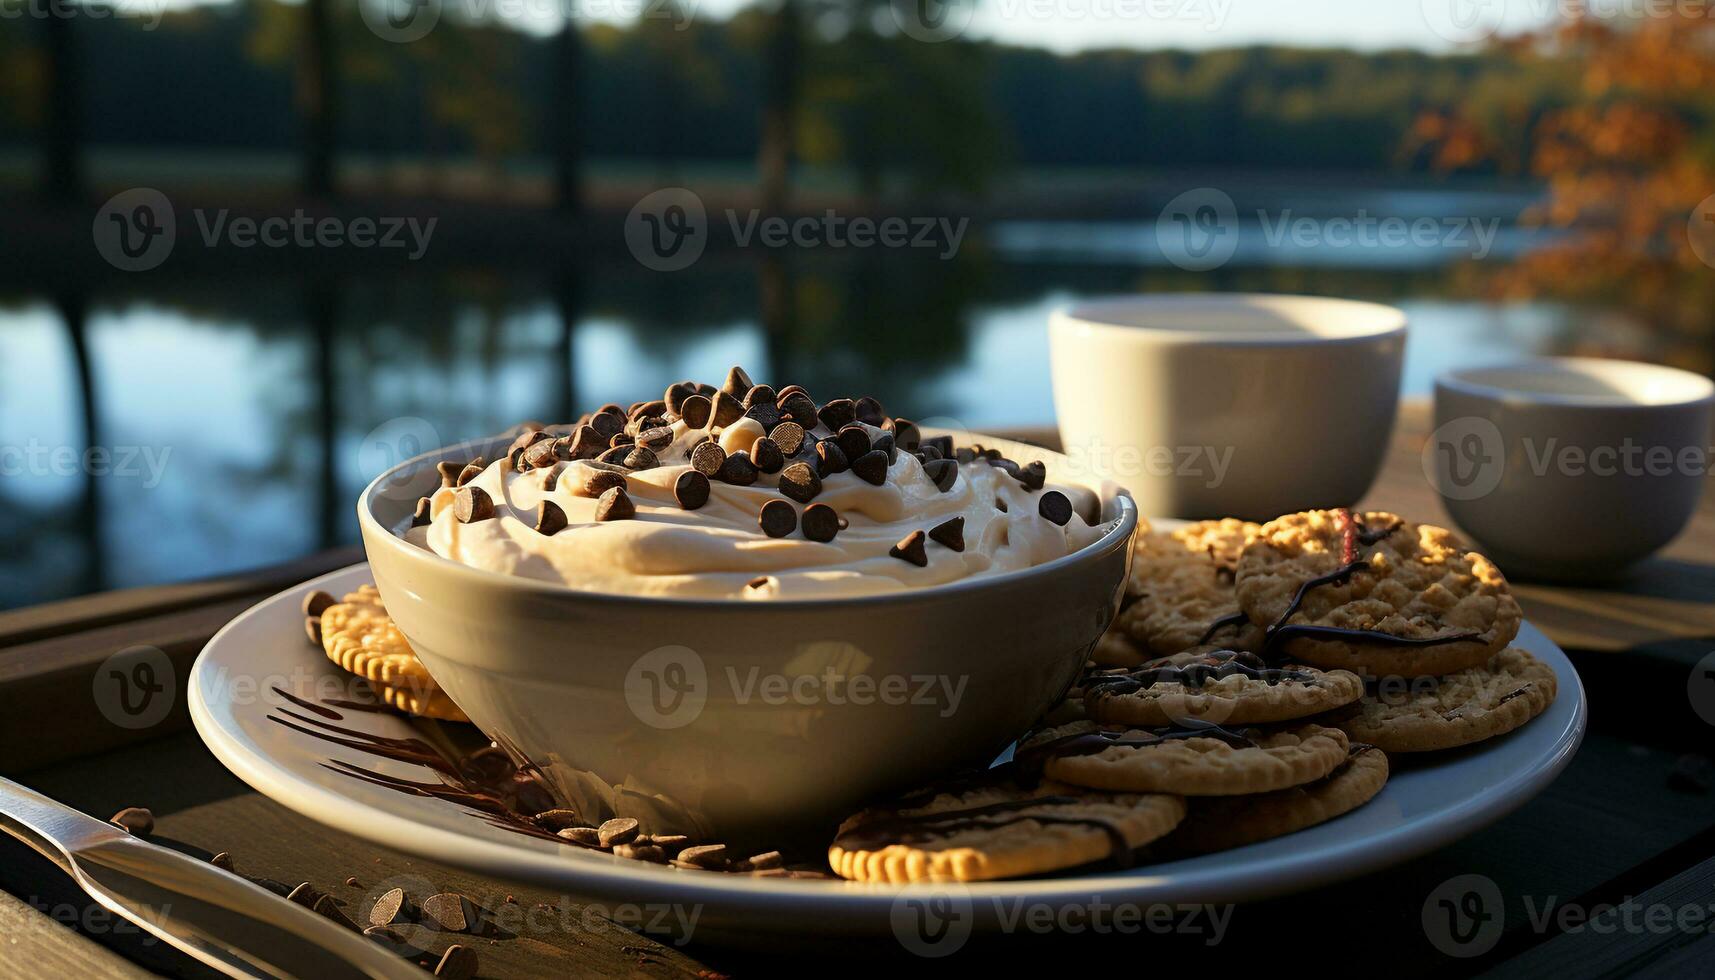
(1374, 594)
(1458, 709)
(358, 635)
(1220, 686)
(1195, 759)
(1217, 823)
(1000, 831)
(1116, 648)
(1181, 588)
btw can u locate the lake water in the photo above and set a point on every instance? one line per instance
(236, 419)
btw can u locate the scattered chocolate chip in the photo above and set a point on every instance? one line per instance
(526, 439)
(614, 505)
(696, 411)
(777, 518)
(655, 439)
(449, 471)
(820, 522)
(540, 454)
(906, 434)
(1000, 504)
(641, 852)
(911, 549)
(559, 819)
(619, 830)
(800, 482)
(950, 533)
(738, 470)
(452, 912)
(656, 409)
(854, 440)
(328, 908)
(393, 906)
(607, 425)
(965, 454)
(304, 894)
(458, 963)
(766, 415)
(869, 411)
(761, 581)
(223, 861)
(798, 406)
(351, 881)
(587, 836)
(472, 504)
(641, 458)
(927, 454)
(424, 514)
(470, 472)
(1055, 507)
(316, 602)
(1033, 475)
(830, 458)
(136, 819)
(767, 455)
(313, 629)
(944, 472)
(766, 860)
(1005, 465)
(677, 394)
(711, 856)
(615, 455)
(550, 519)
(707, 458)
(837, 414)
(871, 467)
(789, 436)
(691, 490)
(591, 479)
(738, 383)
(586, 443)
(727, 409)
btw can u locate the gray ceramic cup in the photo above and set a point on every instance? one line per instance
(1570, 468)
(743, 719)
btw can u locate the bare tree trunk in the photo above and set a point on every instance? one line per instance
(567, 119)
(781, 59)
(318, 96)
(62, 161)
(74, 312)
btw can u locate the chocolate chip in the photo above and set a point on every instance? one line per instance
(452, 912)
(641, 458)
(696, 411)
(607, 425)
(587, 836)
(944, 472)
(472, 504)
(549, 482)
(449, 471)
(1033, 475)
(965, 454)
(761, 581)
(738, 470)
(586, 443)
(223, 861)
(711, 856)
(136, 819)
(305, 894)
(766, 860)
(677, 394)
(351, 882)
(615, 455)
(691, 490)
(621, 439)
(911, 549)
(766, 415)
(789, 436)
(799, 407)
(1055, 507)
(727, 409)
(1000, 504)
(526, 439)
(777, 518)
(868, 410)
(326, 907)
(641, 852)
(884, 442)
(800, 482)
(837, 414)
(707, 458)
(559, 819)
(854, 441)
(926, 454)
(950, 533)
(611, 408)
(830, 458)
(313, 629)
(1005, 465)
(790, 390)
(471, 471)
(614, 505)
(655, 439)
(738, 383)
(942, 444)
(550, 519)
(591, 479)
(315, 603)
(766, 453)
(424, 514)
(820, 522)
(656, 409)
(458, 963)
(540, 454)
(759, 395)
(394, 906)
(619, 830)
(871, 467)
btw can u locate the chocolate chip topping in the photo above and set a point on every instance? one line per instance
(789, 436)
(766, 454)
(777, 518)
(615, 455)
(691, 490)
(676, 395)
(656, 439)
(591, 479)
(1033, 475)
(707, 458)
(869, 411)
(944, 472)
(471, 471)
(854, 440)
(738, 470)
(950, 533)
(911, 549)
(799, 407)
(615, 505)
(943, 445)
(420, 517)
(1000, 504)
(727, 409)
(641, 458)
(830, 458)
(820, 522)
(738, 383)
(449, 471)
(1055, 507)
(472, 504)
(906, 434)
(607, 425)
(837, 414)
(800, 482)
(550, 519)
(885, 443)
(540, 454)
(759, 395)
(619, 830)
(586, 443)
(696, 411)
(871, 467)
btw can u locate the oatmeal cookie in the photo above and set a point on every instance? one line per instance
(1220, 686)
(1217, 823)
(1180, 592)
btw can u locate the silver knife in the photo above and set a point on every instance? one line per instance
(238, 928)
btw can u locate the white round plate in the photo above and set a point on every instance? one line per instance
(1425, 805)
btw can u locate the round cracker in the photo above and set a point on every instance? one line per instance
(1458, 709)
(358, 635)
(1197, 765)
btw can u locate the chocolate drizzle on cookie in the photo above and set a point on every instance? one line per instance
(1217, 665)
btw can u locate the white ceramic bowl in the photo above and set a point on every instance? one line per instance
(717, 717)
(1228, 405)
(1571, 467)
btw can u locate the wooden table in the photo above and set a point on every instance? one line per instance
(1633, 817)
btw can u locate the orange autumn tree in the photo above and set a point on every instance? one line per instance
(1625, 143)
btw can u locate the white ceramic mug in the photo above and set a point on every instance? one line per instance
(1228, 405)
(1571, 467)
